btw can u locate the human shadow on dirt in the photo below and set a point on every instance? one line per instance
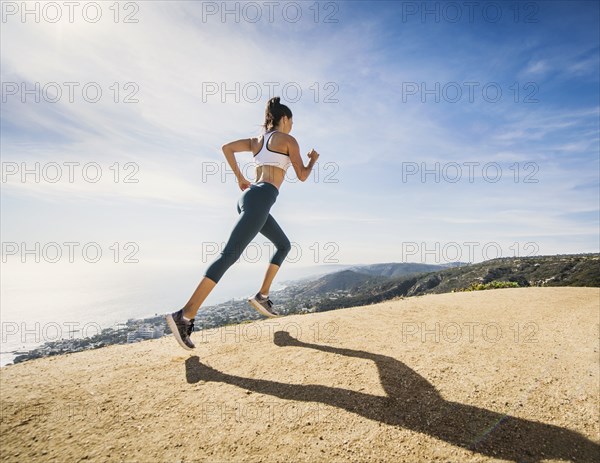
(413, 403)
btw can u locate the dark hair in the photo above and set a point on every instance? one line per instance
(274, 112)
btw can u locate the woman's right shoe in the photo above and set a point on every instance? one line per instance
(182, 329)
(263, 305)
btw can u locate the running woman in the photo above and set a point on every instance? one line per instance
(274, 151)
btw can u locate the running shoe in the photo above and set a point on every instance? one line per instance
(263, 305)
(182, 329)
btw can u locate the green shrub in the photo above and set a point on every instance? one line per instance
(490, 285)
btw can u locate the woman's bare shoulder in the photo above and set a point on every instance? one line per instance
(286, 138)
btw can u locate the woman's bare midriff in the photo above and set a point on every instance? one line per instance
(270, 174)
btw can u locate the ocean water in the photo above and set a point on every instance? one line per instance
(46, 302)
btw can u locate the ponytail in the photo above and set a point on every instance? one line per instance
(274, 112)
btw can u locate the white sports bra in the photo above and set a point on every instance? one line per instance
(272, 158)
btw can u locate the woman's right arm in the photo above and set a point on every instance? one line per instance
(229, 150)
(302, 172)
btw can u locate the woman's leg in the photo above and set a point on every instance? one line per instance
(253, 207)
(275, 234)
(202, 291)
(272, 270)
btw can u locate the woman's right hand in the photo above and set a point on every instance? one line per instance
(243, 183)
(313, 155)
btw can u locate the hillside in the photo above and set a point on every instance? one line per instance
(358, 277)
(498, 375)
(559, 270)
(344, 280)
(395, 269)
(391, 269)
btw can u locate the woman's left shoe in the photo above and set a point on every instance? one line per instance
(263, 305)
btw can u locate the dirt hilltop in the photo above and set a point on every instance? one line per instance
(497, 375)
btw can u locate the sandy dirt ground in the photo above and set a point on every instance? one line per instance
(497, 375)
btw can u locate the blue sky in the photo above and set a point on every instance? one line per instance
(378, 59)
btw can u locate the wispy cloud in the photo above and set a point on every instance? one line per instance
(537, 68)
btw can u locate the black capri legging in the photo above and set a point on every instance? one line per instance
(253, 206)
